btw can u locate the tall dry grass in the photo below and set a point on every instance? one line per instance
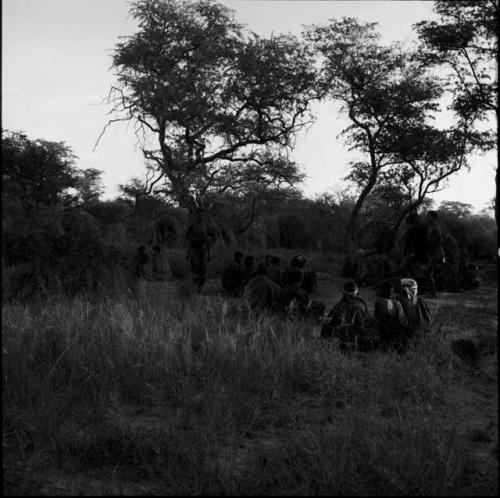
(200, 396)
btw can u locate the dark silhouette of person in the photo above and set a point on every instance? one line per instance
(274, 271)
(390, 318)
(296, 267)
(261, 293)
(293, 294)
(234, 274)
(160, 266)
(248, 269)
(141, 263)
(199, 237)
(435, 249)
(415, 248)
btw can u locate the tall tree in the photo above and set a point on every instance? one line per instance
(207, 94)
(464, 39)
(382, 89)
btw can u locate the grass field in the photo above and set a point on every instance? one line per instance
(172, 393)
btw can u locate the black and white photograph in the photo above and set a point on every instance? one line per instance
(249, 247)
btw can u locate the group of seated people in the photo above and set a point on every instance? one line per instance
(399, 313)
(271, 287)
(398, 316)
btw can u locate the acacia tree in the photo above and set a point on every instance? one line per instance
(464, 40)
(382, 89)
(425, 158)
(251, 186)
(206, 96)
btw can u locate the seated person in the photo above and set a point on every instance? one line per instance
(247, 272)
(297, 264)
(248, 269)
(415, 309)
(274, 271)
(233, 274)
(310, 281)
(293, 298)
(261, 293)
(389, 316)
(348, 321)
(471, 276)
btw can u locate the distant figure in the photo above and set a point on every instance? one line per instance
(415, 309)
(261, 293)
(161, 268)
(435, 254)
(199, 236)
(233, 275)
(297, 264)
(142, 263)
(390, 318)
(471, 276)
(415, 244)
(448, 275)
(348, 321)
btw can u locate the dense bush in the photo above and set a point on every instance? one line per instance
(475, 233)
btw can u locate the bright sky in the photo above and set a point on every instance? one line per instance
(56, 58)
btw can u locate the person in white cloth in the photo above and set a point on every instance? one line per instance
(415, 309)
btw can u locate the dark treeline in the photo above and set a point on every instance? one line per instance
(59, 234)
(219, 120)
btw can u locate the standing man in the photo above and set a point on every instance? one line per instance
(415, 244)
(435, 254)
(199, 237)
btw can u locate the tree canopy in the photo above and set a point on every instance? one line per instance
(464, 38)
(36, 172)
(207, 96)
(386, 93)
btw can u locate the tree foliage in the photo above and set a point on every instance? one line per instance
(206, 95)
(386, 93)
(464, 38)
(89, 185)
(36, 172)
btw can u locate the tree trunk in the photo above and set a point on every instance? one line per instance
(351, 245)
(352, 237)
(496, 198)
(405, 213)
